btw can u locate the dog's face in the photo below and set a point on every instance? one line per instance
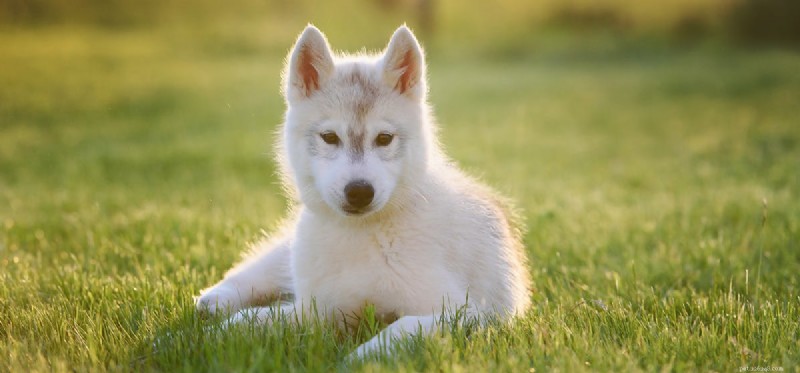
(354, 126)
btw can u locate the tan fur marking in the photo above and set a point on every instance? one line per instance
(367, 95)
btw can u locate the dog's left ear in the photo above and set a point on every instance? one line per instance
(404, 64)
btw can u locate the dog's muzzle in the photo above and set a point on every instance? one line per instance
(359, 195)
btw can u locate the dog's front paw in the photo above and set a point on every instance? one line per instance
(218, 299)
(374, 348)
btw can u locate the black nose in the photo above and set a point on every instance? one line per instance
(359, 193)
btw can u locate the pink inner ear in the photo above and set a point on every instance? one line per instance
(409, 68)
(307, 71)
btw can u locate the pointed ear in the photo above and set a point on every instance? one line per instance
(404, 64)
(310, 64)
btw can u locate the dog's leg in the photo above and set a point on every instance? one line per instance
(404, 327)
(264, 315)
(266, 274)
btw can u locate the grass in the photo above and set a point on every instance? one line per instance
(661, 188)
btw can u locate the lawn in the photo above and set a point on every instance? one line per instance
(660, 186)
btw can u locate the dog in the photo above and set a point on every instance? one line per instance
(382, 218)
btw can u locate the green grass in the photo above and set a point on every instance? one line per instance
(134, 168)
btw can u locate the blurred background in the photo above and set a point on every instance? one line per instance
(138, 113)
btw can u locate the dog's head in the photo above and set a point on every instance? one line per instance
(356, 127)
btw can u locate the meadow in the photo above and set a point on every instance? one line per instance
(660, 184)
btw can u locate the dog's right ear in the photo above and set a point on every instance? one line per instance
(310, 64)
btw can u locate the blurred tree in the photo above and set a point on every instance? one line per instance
(582, 17)
(766, 21)
(423, 12)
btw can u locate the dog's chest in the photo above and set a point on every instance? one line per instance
(397, 268)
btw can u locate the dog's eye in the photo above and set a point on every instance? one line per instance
(330, 138)
(384, 139)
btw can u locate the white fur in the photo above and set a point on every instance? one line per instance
(433, 239)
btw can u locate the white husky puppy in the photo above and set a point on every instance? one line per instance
(383, 217)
